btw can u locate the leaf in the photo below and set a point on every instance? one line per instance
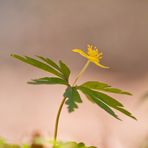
(65, 70)
(48, 80)
(124, 111)
(106, 99)
(37, 64)
(95, 85)
(116, 90)
(72, 144)
(11, 146)
(2, 141)
(50, 62)
(90, 93)
(104, 87)
(25, 146)
(73, 98)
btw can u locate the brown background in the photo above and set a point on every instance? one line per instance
(53, 29)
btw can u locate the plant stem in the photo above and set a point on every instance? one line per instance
(57, 120)
(63, 101)
(81, 72)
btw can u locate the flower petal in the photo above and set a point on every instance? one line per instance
(100, 65)
(80, 52)
(93, 59)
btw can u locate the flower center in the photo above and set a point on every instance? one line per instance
(93, 51)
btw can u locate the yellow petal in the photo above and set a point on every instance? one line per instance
(80, 52)
(93, 59)
(100, 65)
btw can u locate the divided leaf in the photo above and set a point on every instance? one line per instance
(65, 70)
(62, 68)
(50, 62)
(48, 80)
(105, 102)
(98, 101)
(124, 111)
(38, 64)
(104, 87)
(73, 98)
(48, 65)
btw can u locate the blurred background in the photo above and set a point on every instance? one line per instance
(52, 29)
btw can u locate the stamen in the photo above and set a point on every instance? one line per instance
(101, 53)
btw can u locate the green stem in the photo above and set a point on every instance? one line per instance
(63, 101)
(81, 72)
(57, 120)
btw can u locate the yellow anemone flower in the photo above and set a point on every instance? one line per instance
(93, 55)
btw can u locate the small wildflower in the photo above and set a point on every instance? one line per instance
(93, 55)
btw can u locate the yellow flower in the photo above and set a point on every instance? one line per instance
(93, 55)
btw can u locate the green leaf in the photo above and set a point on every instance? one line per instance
(95, 85)
(116, 90)
(2, 141)
(72, 144)
(50, 62)
(37, 64)
(11, 146)
(65, 70)
(73, 98)
(106, 99)
(104, 87)
(124, 111)
(25, 146)
(98, 101)
(48, 80)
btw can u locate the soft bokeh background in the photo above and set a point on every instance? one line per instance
(52, 28)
